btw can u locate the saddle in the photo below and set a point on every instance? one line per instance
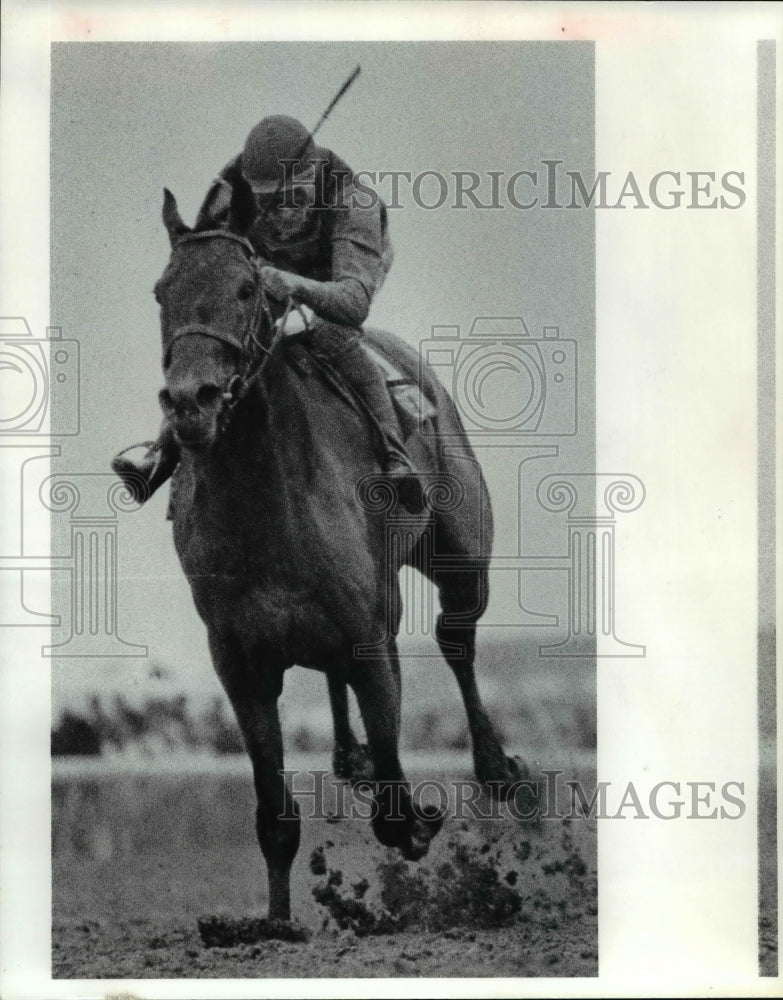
(411, 404)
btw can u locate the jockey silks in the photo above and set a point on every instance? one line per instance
(342, 243)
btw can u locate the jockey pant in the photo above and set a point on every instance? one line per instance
(340, 347)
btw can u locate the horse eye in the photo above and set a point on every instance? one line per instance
(246, 289)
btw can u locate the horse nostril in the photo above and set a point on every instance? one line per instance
(208, 396)
(177, 404)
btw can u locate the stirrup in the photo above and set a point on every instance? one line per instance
(137, 478)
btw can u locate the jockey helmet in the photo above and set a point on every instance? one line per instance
(273, 140)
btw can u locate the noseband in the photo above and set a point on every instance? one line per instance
(252, 351)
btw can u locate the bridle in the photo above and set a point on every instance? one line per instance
(252, 351)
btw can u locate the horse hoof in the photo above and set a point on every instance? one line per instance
(412, 839)
(410, 836)
(518, 770)
(433, 817)
(513, 778)
(222, 932)
(424, 830)
(354, 765)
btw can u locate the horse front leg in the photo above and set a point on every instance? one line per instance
(254, 690)
(396, 821)
(277, 814)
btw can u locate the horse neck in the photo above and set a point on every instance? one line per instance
(252, 475)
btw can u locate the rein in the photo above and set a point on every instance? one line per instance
(250, 346)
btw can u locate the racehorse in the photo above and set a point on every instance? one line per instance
(281, 522)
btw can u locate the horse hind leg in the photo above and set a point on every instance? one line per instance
(463, 598)
(462, 532)
(351, 760)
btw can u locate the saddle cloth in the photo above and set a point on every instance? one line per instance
(412, 406)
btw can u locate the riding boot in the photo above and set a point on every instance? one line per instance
(144, 476)
(367, 381)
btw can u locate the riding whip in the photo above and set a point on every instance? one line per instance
(332, 105)
(335, 100)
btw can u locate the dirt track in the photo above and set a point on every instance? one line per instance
(135, 914)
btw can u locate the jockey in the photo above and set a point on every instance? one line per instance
(325, 251)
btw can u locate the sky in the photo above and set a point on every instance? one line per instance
(131, 118)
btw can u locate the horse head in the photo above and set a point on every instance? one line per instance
(215, 321)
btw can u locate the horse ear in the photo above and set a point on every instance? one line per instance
(172, 220)
(243, 210)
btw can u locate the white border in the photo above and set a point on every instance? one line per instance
(694, 960)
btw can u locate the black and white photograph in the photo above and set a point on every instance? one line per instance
(389, 508)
